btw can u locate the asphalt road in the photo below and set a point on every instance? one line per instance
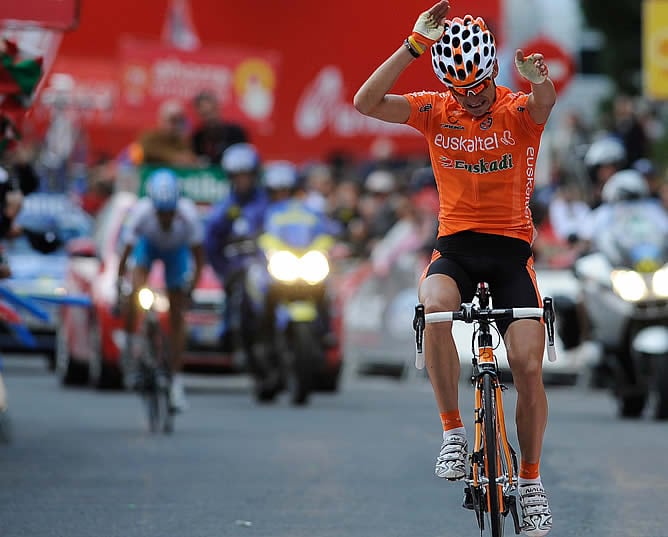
(355, 464)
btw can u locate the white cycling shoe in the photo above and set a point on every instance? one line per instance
(536, 514)
(177, 397)
(451, 461)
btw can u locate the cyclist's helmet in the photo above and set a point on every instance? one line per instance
(466, 53)
(280, 175)
(625, 185)
(605, 151)
(240, 158)
(163, 189)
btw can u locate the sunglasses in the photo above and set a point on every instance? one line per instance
(475, 90)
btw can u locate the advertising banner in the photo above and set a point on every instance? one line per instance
(244, 80)
(202, 185)
(291, 84)
(54, 14)
(655, 49)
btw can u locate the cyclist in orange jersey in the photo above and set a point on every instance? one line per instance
(483, 142)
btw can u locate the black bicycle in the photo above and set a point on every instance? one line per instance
(492, 480)
(150, 362)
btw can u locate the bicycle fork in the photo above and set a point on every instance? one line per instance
(476, 493)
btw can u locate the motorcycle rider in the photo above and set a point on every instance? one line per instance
(603, 158)
(230, 242)
(288, 208)
(624, 190)
(163, 226)
(623, 187)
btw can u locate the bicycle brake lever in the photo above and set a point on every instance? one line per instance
(418, 326)
(549, 317)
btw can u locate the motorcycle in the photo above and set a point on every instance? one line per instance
(290, 288)
(624, 283)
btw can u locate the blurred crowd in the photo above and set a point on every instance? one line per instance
(386, 204)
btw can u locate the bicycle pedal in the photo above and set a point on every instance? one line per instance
(468, 499)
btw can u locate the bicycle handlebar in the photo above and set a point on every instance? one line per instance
(470, 313)
(479, 315)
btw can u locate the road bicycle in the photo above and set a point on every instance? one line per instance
(150, 354)
(492, 479)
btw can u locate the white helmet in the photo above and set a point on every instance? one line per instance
(605, 151)
(280, 174)
(240, 158)
(625, 185)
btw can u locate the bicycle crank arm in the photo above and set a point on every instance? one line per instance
(511, 502)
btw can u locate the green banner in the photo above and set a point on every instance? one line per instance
(202, 185)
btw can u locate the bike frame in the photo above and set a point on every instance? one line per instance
(485, 378)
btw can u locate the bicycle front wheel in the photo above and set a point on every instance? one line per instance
(490, 453)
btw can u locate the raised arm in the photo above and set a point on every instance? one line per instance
(373, 99)
(543, 95)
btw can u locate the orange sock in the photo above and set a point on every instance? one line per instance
(451, 420)
(529, 470)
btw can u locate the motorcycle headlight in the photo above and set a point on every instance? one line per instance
(145, 298)
(284, 266)
(660, 282)
(629, 285)
(313, 267)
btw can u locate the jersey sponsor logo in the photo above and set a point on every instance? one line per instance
(482, 166)
(468, 145)
(530, 171)
(487, 123)
(507, 138)
(425, 108)
(453, 127)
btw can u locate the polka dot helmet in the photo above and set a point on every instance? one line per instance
(465, 54)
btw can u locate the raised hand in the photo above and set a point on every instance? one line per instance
(531, 67)
(430, 25)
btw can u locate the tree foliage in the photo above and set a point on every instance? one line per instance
(620, 23)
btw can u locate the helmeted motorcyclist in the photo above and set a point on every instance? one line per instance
(604, 157)
(288, 214)
(624, 187)
(230, 237)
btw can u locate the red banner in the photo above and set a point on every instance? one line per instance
(290, 82)
(56, 14)
(244, 80)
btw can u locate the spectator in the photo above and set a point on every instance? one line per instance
(101, 183)
(568, 213)
(168, 144)
(648, 170)
(378, 206)
(345, 211)
(629, 129)
(213, 135)
(319, 186)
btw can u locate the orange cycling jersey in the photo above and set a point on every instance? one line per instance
(484, 166)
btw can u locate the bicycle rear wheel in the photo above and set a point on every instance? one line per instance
(490, 453)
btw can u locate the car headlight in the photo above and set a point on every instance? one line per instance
(313, 267)
(146, 297)
(284, 266)
(629, 285)
(660, 282)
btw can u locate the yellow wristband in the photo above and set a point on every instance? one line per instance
(419, 47)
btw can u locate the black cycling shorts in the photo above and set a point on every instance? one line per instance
(505, 263)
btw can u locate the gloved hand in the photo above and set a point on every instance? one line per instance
(429, 27)
(531, 67)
